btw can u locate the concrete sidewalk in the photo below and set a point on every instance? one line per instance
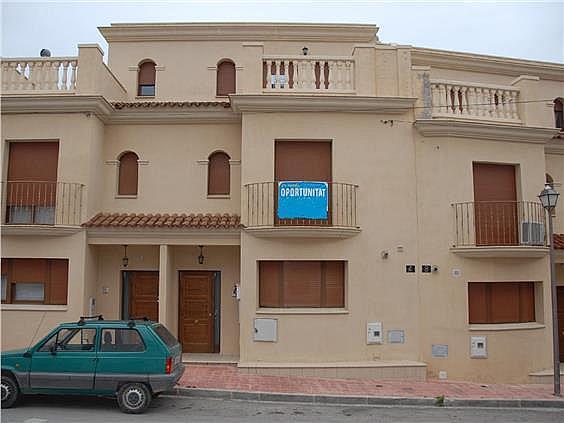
(223, 381)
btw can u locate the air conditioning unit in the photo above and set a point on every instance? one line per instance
(532, 233)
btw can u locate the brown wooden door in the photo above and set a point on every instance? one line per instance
(303, 161)
(196, 312)
(495, 204)
(144, 295)
(560, 299)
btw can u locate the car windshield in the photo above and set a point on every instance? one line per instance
(165, 335)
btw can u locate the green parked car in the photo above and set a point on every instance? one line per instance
(133, 360)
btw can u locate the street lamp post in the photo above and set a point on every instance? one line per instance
(549, 198)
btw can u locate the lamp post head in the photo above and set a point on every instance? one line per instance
(548, 197)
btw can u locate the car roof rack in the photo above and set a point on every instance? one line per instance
(83, 319)
(132, 320)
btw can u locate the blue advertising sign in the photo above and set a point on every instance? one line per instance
(303, 200)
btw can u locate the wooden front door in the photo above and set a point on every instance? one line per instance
(560, 311)
(495, 204)
(144, 295)
(302, 161)
(196, 312)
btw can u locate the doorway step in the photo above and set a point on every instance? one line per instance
(545, 376)
(210, 359)
(379, 369)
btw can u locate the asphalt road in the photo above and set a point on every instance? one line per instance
(200, 410)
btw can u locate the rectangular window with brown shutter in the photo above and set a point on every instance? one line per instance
(34, 281)
(501, 302)
(302, 284)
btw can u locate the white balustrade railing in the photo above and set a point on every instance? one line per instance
(475, 101)
(52, 74)
(308, 74)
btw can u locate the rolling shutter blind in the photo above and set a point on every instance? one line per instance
(294, 284)
(219, 174)
(147, 74)
(226, 78)
(501, 302)
(32, 173)
(128, 174)
(51, 273)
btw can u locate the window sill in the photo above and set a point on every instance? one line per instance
(144, 97)
(125, 196)
(219, 196)
(271, 311)
(506, 326)
(34, 307)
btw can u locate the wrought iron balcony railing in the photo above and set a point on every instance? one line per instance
(260, 205)
(499, 223)
(42, 203)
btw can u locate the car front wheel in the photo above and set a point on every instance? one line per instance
(9, 391)
(133, 398)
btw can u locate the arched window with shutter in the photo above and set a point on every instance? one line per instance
(128, 173)
(146, 79)
(218, 173)
(225, 78)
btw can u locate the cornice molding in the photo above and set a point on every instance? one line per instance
(316, 103)
(18, 104)
(152, 236)
(555, 146)
(97, 105)
(40, 230)
(484, 131)
(486, 64)
(175, 116)
(123, 32)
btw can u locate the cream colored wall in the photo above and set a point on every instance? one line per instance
(389, 164)
(444, 176)
(187, 69)
(555, 168)
(19, 326)
(172, 181)
(379, 159)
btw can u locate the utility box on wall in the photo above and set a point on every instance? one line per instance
(374, 333)
(478, 347)
(266, 330)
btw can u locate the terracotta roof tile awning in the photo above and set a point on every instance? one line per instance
(175, 220)
(559, 241)
(178, 104)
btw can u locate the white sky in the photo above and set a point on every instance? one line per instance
(528, 30)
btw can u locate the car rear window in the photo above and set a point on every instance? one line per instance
(167, 337)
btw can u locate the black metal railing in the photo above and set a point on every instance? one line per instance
(42, 203)
(499, 223)
(260, 203)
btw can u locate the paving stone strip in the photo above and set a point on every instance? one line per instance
(227, 382)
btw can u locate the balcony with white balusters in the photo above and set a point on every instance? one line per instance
(308, 74)
(452, 99)
(39, 75)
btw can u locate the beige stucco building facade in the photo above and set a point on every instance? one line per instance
(431, 259)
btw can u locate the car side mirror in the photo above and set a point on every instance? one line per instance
(27, 354)
(54, 349)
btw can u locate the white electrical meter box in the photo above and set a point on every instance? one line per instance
(374, 333)
(266, 330)
(478, 347)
